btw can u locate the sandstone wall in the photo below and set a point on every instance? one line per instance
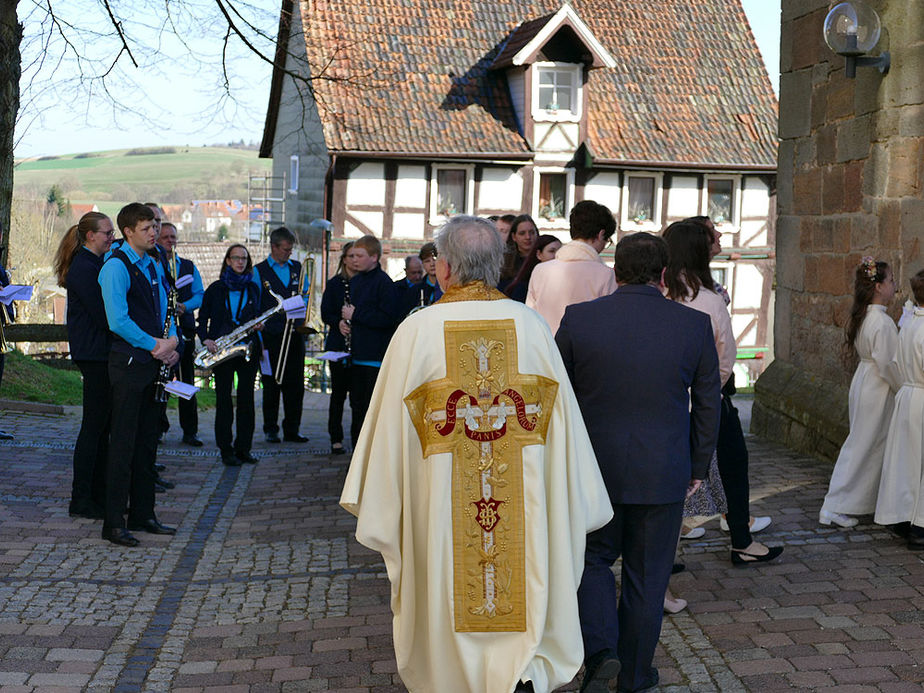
(851, 162)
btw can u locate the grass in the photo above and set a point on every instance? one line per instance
(26, 379)
(99, 175)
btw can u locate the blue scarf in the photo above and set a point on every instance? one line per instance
(235, 281)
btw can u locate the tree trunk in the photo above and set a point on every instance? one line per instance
(10, 69)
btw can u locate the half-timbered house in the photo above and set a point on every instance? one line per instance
(417, 111)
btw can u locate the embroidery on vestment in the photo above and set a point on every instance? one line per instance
(484, 412)
(473, 291)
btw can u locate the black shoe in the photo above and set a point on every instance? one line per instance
(524, 687)
(272, 438)
(902, 530)
(151, 526)
(158, 467)
(246, 457)
(677, 568)
(6, 436)
(647, 685)
(161, 481)
(295, 438)
(90, 511)
(741, 557)
(599, 673)
(120, 536)
(192, 440)
(230, 460)
(337, 449)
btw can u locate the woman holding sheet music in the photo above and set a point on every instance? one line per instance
(336, 295)
(231, 301)
(76, 265)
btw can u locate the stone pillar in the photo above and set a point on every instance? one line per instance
(851, 163)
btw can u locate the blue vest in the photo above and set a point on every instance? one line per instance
(270, 280)
(187, 319)
(141, 310)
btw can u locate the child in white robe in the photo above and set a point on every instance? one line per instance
(899, 502)
(872, 336)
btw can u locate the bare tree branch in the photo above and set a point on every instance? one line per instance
(118, 27)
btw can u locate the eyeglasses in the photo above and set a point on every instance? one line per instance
(238, 258)
(109, 234)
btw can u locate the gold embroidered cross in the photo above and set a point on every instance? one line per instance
(484, 412)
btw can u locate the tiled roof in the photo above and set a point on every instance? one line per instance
(689, 85)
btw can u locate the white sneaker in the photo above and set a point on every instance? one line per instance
(694, 533)
(826, 517)
(757, 524)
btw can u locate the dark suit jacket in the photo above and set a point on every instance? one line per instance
(631, 357)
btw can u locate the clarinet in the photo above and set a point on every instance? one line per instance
(347, 338)
(163, 374)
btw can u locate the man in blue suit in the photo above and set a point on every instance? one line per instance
(646, 376)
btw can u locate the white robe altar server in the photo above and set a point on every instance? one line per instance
(475, 479)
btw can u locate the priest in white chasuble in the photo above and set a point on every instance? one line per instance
(475, 479)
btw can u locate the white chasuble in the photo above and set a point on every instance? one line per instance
(475, 479)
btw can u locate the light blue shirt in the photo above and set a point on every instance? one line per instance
(282, 271)
(114, 281)
(194, 303)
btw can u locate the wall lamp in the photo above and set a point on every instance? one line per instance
(852, 29)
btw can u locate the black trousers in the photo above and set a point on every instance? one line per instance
(188, 408)
(135, 427)
(224, 373)
(362, 383)
(732, 455)
(92, 447)
(292, 388)
(339, 387)
(645, 536)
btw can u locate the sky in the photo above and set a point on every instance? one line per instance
(176, 100)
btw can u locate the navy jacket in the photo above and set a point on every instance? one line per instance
(631, 357)
(141, 310)
(215, 318)
(268, 279)
(376, 315)
(87, 328)
(331, 305)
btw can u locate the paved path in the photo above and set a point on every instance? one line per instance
(263, 588)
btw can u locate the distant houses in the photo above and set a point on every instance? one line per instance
(204, 221)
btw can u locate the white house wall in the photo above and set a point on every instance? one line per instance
(604, 189)
(409, 225)
(366, 185)
(501, 189)
(683, 200)
(557, 137)
(411, 187)
(755, 208)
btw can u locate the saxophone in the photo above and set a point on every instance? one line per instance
(233, 344)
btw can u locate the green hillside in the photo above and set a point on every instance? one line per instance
(112, 178)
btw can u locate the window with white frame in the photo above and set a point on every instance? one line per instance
(641, 205)
(451, 191)
(557, 91)
(293, 173)
(552, 195)
(721, 199)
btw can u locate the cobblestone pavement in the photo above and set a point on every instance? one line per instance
(264, 589)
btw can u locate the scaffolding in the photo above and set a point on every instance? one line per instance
(266, 196)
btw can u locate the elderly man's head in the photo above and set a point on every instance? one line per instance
(469, 249)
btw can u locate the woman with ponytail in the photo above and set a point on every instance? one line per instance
(228, 303)
(77, 264)
(871, 335)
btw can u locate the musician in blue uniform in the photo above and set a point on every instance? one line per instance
(279, 273)
(77, 264)
(228, 303)
(189, 298)
(336, 295)
(133, 288)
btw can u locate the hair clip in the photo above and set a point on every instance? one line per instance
(868, 263)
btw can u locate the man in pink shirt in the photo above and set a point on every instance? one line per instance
(577, 273)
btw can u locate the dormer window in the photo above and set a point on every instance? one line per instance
(557, 91)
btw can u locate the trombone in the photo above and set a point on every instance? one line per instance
(303, 327)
